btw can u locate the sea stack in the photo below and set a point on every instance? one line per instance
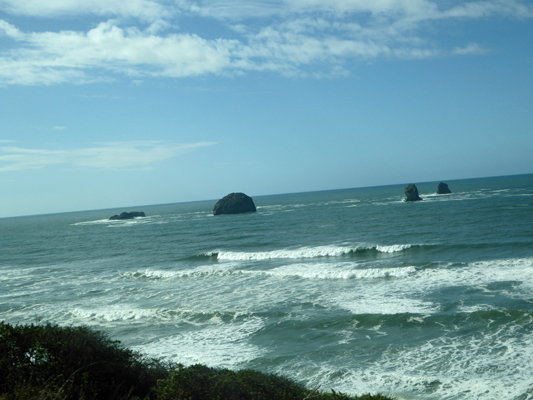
(128, 215)
(411, 193)
(234, 203)
(443, 188)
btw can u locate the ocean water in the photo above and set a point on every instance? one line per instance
(353, 290)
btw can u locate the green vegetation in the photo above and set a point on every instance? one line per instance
(62, 363)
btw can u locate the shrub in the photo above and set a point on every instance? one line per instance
(51, 362)
(72, 363)
(199, 382)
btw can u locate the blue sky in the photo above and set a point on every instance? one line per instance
(116, 104)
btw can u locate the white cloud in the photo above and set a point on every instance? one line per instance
(413, 9)
(9, 30)
(306, 37)
(54, 57)
(144, 10)
(472, 48)
(112, 156)
(479, 9)
(153, 10)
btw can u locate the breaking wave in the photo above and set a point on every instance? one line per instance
(307, 252)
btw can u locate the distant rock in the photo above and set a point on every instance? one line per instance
(443, 188)
(411, 193)
(128, 215)
(234, 203)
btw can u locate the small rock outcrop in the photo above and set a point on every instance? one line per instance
(234, 203)
(128, 215)
(443, 188)
(411, 193)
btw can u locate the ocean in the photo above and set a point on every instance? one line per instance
(353, 290)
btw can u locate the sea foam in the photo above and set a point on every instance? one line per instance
(339, 271)
(223, 345)
(309, 252)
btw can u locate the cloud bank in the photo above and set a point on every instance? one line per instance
(109, 156)
(143, 38)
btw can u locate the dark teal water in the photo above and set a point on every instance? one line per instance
(353, 290)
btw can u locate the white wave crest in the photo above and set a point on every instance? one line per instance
(174, 274)
(96, 222)
(306, 252)
(225, 345)
(346, 271)
(393, 249)
(118, 313)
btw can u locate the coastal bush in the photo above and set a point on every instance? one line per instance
(199, 382)
(71, 363)
(66, 363)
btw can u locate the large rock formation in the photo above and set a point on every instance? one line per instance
(443, 188)
(411, 193)
(128, 215)
(234, 203)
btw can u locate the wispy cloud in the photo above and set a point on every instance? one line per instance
(472, 48)
(395, 9)
(110, 156)
(139, 38)
(145, 10)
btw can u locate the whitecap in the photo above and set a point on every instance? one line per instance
(393, 248)
(111, 313)
(304, 252)
(218, 344)
(339, 271)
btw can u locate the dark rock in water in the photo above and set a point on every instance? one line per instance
(443, 188)
(234, 203)
(411, 193)
(128, 215)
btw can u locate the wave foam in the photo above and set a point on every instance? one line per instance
(225, 345)
(173, 274)
(482, 273)
(117, 313)
(393, 249)
(306, 271)
(304, 252)
(307, 252)
(339, 271)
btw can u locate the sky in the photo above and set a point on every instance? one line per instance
(116, 104)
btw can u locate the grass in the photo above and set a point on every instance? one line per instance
(50, 362)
